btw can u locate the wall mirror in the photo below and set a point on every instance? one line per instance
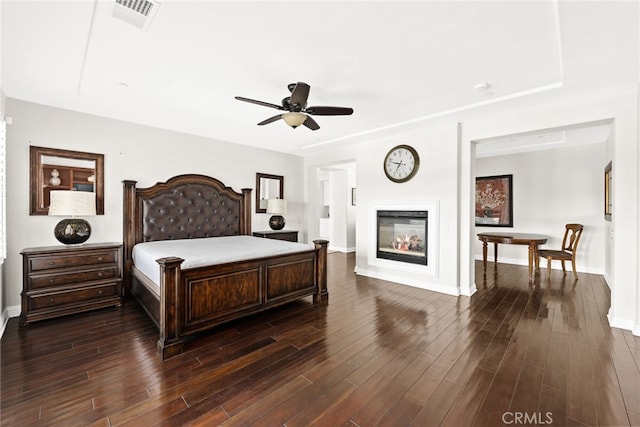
(268, 187)
(54, 169)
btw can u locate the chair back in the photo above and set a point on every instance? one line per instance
(571, 237)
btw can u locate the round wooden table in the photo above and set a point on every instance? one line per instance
(531, 240)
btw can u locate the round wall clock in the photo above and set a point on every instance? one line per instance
(401, 163)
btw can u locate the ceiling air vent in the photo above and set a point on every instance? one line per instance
(136, 12)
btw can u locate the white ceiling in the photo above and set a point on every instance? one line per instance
(395, 63)
(545, 139)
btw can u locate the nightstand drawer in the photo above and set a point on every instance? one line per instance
(75, 260)
(47, 300)
(52, 280)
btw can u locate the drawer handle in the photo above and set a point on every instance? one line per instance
(100, 258)
(100, 292)
(99, 274)
(52, 299)
(52, 263)
(51, 280)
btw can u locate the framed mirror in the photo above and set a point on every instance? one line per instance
(54, 169)
(268, 187)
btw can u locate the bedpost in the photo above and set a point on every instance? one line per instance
(245, 212)
(128, 230)
(321, 271)
(170, 343)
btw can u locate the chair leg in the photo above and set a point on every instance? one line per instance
(548, 267)
(564, 270)
(573, 264)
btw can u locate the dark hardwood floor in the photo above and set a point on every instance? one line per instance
(379, 354)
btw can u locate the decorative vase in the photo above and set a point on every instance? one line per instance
(488, 213)
(276, 222)
(72, 231)
(54, 180)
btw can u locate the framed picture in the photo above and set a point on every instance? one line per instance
(353, 196)
(494, 201)
(608, 205)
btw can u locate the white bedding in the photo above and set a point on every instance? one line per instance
(208, 251)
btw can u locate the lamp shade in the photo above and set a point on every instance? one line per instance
(276, 206)
(294, 119)
(72, 203)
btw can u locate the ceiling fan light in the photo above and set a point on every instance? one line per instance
(294, 119)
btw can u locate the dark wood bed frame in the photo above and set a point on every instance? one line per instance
(196, 299)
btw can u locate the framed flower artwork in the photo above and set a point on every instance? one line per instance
(494, 201)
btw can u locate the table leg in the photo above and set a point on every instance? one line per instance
(495, 253)
(484, 255)
(532, 253)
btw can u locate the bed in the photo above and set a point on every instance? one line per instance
(184, 297)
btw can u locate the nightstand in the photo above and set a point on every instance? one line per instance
(289, 235)
(61, 280)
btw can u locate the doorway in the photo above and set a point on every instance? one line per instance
(557, 179)
(335, 207)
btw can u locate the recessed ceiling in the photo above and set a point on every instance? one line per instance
(548, 139)
(393, 62)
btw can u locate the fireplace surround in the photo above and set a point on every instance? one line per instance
(409, 273)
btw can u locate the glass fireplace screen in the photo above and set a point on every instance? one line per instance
(402, 236)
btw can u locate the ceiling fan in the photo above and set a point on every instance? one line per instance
(297, 112)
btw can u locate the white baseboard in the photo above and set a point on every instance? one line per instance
(627, 324)
(422, 284)
(469, 290)
(543, 265)
(4, 318)
(341, 249)
(14, 310)
(7, 313)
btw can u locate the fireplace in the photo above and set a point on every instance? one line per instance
(402, 235)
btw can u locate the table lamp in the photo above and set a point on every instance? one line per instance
(72, 231)
(277, 207)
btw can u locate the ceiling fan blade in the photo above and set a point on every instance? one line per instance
(329, 111)
(264, 104)
(311, 124)
(270, 120)
(300, 94)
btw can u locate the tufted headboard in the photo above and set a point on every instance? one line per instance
(184, 207)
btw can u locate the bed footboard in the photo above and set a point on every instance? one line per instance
(195, 300)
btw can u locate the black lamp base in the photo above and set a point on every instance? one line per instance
(72, 231)
(276, 222)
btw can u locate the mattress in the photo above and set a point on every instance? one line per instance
(209, 251)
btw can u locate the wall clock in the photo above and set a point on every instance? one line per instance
(401, 163)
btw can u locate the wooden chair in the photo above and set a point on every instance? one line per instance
(568, 252)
